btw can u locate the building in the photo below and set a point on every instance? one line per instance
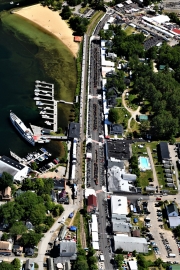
(74, 130)
(91, 203)
(118, 149)
(150, 189)
(18, 171)
(172, 210)
(119, 206)
(18, 250)
(174, 222)
(163, 151)
(77, 38)
(89, 191)
(116, 129)
(130, 244)
(5, 248)
(93, 225)
(29, 251)
(67, 252)
(29, 265)
(132, 265)
(111, 101)
(6, 194)
(136, 233)
(121, 227)
(59, 184)
(143, 117)
(118, 180)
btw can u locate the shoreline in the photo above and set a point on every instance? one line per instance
(50, 21)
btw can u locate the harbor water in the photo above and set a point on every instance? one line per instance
(28, 53)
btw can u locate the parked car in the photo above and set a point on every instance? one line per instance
(158, 199)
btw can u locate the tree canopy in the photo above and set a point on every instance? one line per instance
(113, 115)
(6, 180)
(79, 25)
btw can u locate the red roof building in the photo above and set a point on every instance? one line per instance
(92, 203)
(77, 39)
(176, 30)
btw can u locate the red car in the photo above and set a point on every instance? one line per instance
(158, 199)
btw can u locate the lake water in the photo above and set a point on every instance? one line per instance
(28, 53)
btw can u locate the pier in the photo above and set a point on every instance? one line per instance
(44, 97)
(37, 131)
(16, 157)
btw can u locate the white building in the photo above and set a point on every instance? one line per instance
(130, 244)
(119, 205)
(18, 171)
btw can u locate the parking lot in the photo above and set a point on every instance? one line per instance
(163, 239)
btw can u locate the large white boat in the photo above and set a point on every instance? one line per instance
(25, 132)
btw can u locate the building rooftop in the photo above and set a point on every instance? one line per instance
(174, 221)
(118, 149)
(171, 208)
(59, 183)
(74, 130)
(131, 243)
(120, 227)
(164, 151)
(67, 248)
(119, 205)
(116, 129)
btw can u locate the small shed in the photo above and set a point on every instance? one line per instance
(77, 39)
(143, 117)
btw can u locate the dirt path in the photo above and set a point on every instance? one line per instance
(133, 113)
(83, 235)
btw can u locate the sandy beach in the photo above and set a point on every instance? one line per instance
(52, 22)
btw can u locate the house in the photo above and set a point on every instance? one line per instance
(136, 233)
(6, 194)
(112, 56)
(17, 170)
(91, 203)
(5, 248)
(174, 222)
(163, 151)
(111, 101)
(172, 210)
(18, 250)
(143, 117)
(59, 184)
(132, 265)
(130, 243)
(29, 265)
(29, 251)
(74, 130)
(116, 129)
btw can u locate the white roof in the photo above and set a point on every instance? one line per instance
(104, 81)
(89, 191)
(128, 2)
(95, 245)
(133, 265)
(120, 5)
(106, 70)
(111, 19)
(89, 155)
(105, 62)
(119, 205)
(106, 26)
(131, 243)
(103, 43)
(161, 19)
(174, 221)
(94, 224)
(95, 237)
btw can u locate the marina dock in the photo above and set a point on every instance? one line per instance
(48, 106)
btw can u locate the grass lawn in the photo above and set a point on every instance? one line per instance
(138, 151)
(143, 179)
(132, 101)
(129, 30)
(134, 126)
(82, 10)
(150, 257)
(93, 21)
(76, 223)
(124, 115)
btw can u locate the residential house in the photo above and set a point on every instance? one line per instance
(91, 203)
(116, 129)
(18, 250)
(111, 101)
(59, 184)
(6, 194)
(29, 251)
(67, 252)
(172, 210)
(29, 265)
(5, 248)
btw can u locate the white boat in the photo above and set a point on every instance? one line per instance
(48, 123)
(36, 98)
(42, 112)
(25, 132)
(40, 141)
(11, 3)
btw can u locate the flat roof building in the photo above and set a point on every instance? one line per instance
(130, 243)
(119, 205)
(74, 130)
(164, 151)
(118, 149)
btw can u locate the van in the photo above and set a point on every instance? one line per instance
(171, 255)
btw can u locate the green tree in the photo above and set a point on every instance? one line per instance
(30, 239)
(5, 237)
(6, 180)
(28, 184)
(16, 264)
(37, 215)
(177, 231)
(34, 166)
(119, 260)
(17, 228)
(81, 264)
(6, 266)
(113, 115)
(66, 13)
